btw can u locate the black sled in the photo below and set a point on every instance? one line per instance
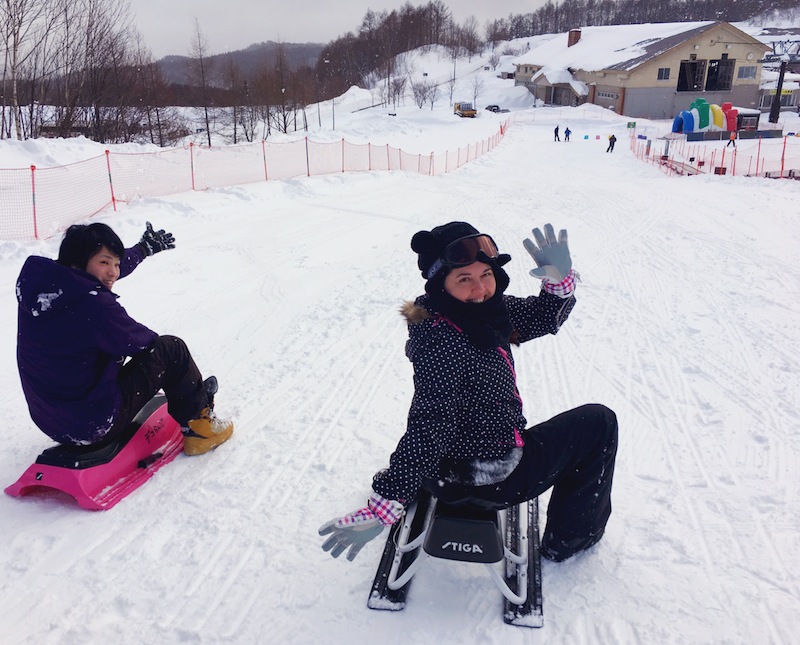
(432, 528)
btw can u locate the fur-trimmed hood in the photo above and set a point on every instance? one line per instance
(415, 313)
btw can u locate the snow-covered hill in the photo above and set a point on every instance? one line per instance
(686, 325)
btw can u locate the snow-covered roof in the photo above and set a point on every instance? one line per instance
(556, 76)
(617, 47)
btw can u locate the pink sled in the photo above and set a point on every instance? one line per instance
(99, 478)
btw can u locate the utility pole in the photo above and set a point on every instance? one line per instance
(775, 108)
(783, 52)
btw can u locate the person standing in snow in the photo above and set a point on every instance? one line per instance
(466, 436)
(555, 135)
(611, 141)
(567, 132)
(73, 338)
(731, 139)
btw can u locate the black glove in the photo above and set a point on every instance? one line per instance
(154, 241)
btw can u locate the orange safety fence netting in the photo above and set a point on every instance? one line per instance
(37, 203)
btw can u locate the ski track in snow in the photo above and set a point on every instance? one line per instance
(291, 298)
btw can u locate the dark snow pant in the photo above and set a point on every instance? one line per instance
(168, 365)
(574, 453)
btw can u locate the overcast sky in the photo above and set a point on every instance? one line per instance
(167, 26)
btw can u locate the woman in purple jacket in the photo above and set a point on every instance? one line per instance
(466, 439)
(73, 340)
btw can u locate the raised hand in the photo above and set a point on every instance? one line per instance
(550, 254)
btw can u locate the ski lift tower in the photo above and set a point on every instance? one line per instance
(784, 52)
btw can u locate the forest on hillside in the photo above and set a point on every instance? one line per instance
(80, 66)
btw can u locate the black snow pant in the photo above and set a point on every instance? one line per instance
(167, 365)
(574, 453)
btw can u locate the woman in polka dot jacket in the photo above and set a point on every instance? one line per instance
(466, 439)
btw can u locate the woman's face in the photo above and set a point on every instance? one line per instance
(104, 266)
(472, 283)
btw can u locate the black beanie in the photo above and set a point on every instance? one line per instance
(430, 245)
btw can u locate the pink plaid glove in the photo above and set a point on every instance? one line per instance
(355, 529)
(386, 511)
(565, 288)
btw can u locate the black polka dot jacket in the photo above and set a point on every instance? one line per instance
(466, 413)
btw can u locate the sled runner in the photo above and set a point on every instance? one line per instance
(98, 478)
(432, 528)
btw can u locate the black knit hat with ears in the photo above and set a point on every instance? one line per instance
(430, 245)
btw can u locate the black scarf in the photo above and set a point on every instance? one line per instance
(486, 324)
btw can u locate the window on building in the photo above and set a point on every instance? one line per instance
(788, 99)
(747, 71)
(720, 75)
(663, 73)
(691, 75)
(607, 95)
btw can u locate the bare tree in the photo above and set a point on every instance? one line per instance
(202, 70)
(24, 24)
(397, 89)
(420, 90)
(433, 95)
(477, 88)
(282, 111)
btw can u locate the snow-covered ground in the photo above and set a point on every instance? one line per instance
(686, 325)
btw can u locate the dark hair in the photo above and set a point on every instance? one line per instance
(82, 241)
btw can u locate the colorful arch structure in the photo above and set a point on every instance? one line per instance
(705, 117)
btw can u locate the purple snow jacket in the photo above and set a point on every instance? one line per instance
(72, 338)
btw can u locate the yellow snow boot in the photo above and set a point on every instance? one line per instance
(205, 433)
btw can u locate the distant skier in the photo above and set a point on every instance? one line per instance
(611, 141)
(465, 438)
(555, 135)
(567, 132)
(73, 337)
(731, 139)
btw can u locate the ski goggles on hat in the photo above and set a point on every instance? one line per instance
(464, 251)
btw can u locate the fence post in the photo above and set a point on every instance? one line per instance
(369, 155)
(388, 160)
(342, 154)
(110, 182)
(33, 202)
(264, 154)
(308, 165)
(191, 160)
(783, 155)
(758, 154)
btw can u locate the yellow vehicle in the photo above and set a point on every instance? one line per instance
(463, 109)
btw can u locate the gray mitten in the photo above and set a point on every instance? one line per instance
(354, 536)
(551, 256)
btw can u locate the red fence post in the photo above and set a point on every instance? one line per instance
(308, 165)
(342, 154)
(783, 156)
(264, 154)
(110, 182)
(33, 202)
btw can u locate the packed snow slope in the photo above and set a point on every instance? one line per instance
(686, 325)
